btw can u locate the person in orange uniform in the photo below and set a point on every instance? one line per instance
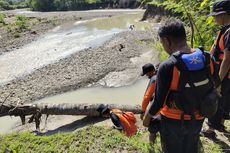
(181, 122)
(221, 53)
(123, 121)
(150, 71)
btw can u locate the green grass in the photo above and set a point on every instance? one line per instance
(21, 23)
(2, 18)
(91, 139)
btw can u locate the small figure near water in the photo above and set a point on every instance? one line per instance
(131, 27)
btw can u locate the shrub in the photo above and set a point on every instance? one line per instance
(2, 18)
(21, 23)
(194, 12)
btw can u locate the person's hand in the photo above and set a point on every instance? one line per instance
(147, 119)
(218, 89)
(142, 115)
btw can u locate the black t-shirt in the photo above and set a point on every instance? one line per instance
(226, 37)
(163, 82)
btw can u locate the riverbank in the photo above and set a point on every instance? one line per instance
(115, 63)
(123, 54)
(38, 23)
(93, 139)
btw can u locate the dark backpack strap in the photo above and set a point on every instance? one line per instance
(208, 68)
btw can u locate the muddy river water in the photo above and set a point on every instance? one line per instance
(63, 41)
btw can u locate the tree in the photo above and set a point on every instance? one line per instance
(194, 14)
(42, 5)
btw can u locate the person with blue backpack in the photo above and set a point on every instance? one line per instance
(185, 91)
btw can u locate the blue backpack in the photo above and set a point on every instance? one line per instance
(196, 87)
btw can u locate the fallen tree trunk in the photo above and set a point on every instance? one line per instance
(61, 109)
(36, 110)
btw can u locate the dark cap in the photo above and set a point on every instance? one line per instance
(147, 68)
(102, 109)
(220, 7)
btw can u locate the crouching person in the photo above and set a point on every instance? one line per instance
(123, 121)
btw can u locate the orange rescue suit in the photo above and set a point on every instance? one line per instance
(149, 93)
(127, 120)
(221, 47)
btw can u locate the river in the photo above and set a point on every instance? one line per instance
(63, 41)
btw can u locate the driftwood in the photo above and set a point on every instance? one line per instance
(36, 110)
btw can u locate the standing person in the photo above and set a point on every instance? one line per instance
(221, 53)
(150, 71)
(123, 121)
(181, 82)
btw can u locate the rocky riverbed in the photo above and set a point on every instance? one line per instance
(85, 67)
(117, 62)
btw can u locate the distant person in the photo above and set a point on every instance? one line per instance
(221, 53)
(131, 27)
(123, 121)
(154, 127)
(184, 90)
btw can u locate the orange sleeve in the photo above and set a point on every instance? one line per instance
(147, 97)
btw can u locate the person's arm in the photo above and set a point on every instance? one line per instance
(225, 65)
(163, 83)
(148, 96)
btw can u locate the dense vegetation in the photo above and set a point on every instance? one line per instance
(13, 4)
(89, 140)
(194, 14)
(52, 5)
(63, 5)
